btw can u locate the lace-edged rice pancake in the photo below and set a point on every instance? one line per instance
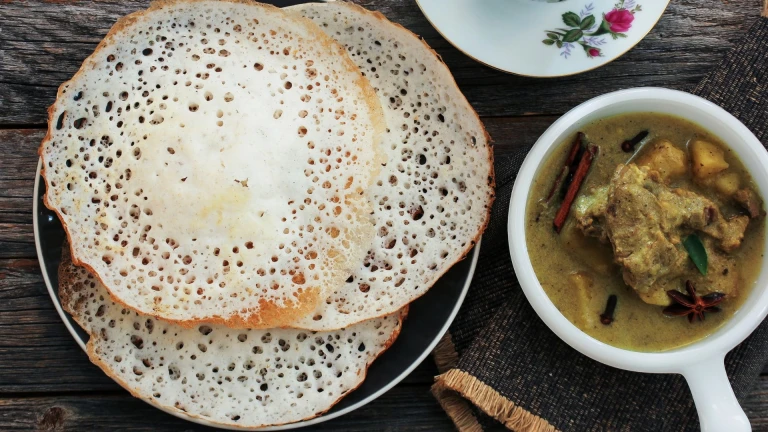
(245, 378)
(208, 162)
(432, 199)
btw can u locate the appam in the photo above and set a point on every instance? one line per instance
(208, 162)
(236, 378)
(432, 199)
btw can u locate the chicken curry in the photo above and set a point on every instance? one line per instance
(640, 221)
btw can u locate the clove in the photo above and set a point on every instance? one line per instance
(628, 146)
(606, 318)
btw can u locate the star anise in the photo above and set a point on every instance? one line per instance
(692, 305)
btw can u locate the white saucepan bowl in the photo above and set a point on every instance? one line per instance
(701, 363)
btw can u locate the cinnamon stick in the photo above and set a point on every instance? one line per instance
(578, 179)
(565, 171)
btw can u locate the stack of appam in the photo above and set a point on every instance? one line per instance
(253, 196)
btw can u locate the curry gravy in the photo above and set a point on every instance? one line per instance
(637, 325)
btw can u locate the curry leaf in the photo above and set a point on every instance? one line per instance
(548, 42)
(571, 19)
(696, 251)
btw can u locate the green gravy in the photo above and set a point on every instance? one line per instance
(637, 326)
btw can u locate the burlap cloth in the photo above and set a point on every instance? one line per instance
(501, 365)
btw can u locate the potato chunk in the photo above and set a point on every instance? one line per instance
(727, 183)
(586, 300)
(665, 158)
(708, 159)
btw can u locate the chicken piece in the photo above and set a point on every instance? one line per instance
(722, 273)
(749, 200)
(645, 221)
(730, 232)
(637, 223)
(664, 157)
(722, 276)
(589, 213)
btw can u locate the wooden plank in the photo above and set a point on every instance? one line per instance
(121, 412)
(45, 42)
(17, 240)
(405, 407)
(17, 177)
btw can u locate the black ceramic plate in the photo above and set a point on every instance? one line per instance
(428, 317)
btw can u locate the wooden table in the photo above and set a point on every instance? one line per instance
(47, 382)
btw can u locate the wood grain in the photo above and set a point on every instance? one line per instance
(103, 411)
(97, 412)
(48, 383)
(44, 44)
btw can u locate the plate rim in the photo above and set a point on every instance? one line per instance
(511, 72)
(313, 421)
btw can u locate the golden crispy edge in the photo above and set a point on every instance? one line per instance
(270, 309)
(67, 284)
(461, 100)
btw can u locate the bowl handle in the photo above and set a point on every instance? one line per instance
(715, 402)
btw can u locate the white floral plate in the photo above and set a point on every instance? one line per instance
(543, 38)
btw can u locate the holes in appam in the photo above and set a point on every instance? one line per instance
(416, 212)
(208, 96)
(173, 372)
(194, 107)
(258, 66)
(302, 131)
(228, 97)
(60, 120)
(137, 341)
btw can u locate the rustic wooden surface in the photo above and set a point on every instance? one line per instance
(46, 381)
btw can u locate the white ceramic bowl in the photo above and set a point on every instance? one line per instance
(701, 363)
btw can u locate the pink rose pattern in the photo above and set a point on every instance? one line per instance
(583, 29)
(619, 20)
